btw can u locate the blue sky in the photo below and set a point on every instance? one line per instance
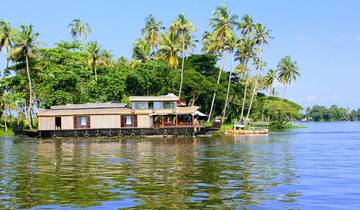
(323, 36)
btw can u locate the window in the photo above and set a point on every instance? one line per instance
(57, 122)
(157, 105)
(82, 122)
(151, 105)
(128, 120)
(140, 105)
(169, 105)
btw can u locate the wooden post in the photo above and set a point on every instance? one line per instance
(162, 121)
(192, 119)
(176, 120)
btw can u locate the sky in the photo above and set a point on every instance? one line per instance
(323, 36)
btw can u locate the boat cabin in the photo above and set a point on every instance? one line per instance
(141, 112)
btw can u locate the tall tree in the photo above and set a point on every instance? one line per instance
(170, 46)
(25, 48)
(261, 36)
(5, 40)
(222, 23)
(97, 56)
(152, 30)
(269, 80)
(288, 71)
(230, 46)
(259, 65)
(79, 29)
(182, 28)
(246, 52)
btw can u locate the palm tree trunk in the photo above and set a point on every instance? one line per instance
(30, 87)
(182, 69)
(227, 93)
(246, 86)
(253, 94)
(218, 81)
(95, 70)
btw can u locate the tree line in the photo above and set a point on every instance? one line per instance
(80, 71)
(330, 114)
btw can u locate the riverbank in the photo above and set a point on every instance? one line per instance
(7, 133)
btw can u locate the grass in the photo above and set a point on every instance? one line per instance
(287, 126)
(7, 133)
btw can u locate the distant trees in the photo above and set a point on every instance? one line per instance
(333, 113)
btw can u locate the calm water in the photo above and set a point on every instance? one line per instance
(313, 168)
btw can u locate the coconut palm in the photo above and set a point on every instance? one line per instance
(152, 30)
(25, 48)
(261, 36)
(97, 56)
(259, 65)
(170, 46)
(182, 28)
(288, 71)
(222, 22)
(79, 29)
(269, 80)
(142, 51)
(5, 39)
(244, 53)
(230, 46)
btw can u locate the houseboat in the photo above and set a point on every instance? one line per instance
(143, 116)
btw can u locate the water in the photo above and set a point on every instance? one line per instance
(313, 168)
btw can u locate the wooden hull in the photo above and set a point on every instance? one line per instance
(115, 132)
(245, 132)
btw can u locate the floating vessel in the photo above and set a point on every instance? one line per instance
(143, 116)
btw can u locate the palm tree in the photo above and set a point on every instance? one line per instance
(288, 71)
(182, 28)
(142, 51)
(222, 24)
(269, 80)
(169, 48)
(261, 37)
(259, 65)
(79, 29)
(24, 48)
(97, 56)
(5, 39)
(245, 52)
(230, 46)
(152, 30)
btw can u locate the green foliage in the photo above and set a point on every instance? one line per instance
(333, 113)
(281, 111)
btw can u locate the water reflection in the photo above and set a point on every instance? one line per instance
(148, 173)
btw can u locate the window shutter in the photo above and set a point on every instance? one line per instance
(87, 121)
(135, 120)
(75, 122)
(122, 119)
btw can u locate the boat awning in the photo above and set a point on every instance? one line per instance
(197, 113)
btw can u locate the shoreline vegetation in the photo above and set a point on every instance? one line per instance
(228, 76)
(333, 113)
